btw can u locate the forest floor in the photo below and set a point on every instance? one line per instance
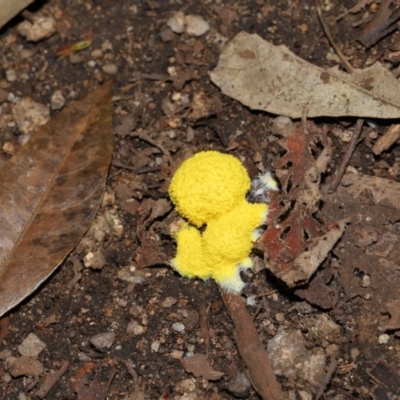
(335, 337)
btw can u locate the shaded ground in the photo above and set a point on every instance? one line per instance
(166, 106)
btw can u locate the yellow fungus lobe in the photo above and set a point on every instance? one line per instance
(210, 188)
(208, 185)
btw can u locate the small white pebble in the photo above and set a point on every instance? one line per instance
(96, 53)
(106, 46)
(171, 134)
(7, 378)
(12, 98)
(373, 135)
(155, 346)
(366, 281)
(169, 301)
(383, 339)
(57, 101)
(122, 303)
(32, 346)
(178, 327)
(354, 352)
(177, 354)
(282, 126)
(11, 76)
(251, 301)
(135, 328)
(280, 317)
(103, 341)
(177, 22)
(138, 330)
(83, 357)
(196, 25)
(110, 69)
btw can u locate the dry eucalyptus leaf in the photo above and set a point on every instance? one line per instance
(297, 240)
(50, 191)
(9, 9)
(271, 78)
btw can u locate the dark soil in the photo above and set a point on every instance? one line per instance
(144, 306)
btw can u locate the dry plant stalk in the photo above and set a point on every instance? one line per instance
(252, 349)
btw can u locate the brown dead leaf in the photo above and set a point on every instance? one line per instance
(199, 365)
(297, 241)
(271, 78)
(151, 251)
(369, 252)
(318, 291)
(9, 9)
(51, 190)
(97, 389)
(383, 23)
(387, 380)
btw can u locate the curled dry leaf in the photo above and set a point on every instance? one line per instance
(50, 191)
(271, 78)
(297, 240)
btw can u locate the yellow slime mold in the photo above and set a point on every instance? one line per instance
(209, 188)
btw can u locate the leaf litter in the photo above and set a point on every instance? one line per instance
(296, 241)
(370, 244)
(51, 190)
(271, 78)
(326, 272)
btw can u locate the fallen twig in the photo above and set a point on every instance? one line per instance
(203, 312)
(137, 393)
(145, 136)
(360, 122)
(251, 349)
(51, 380)
(358, 7)
(387, 140)
(327, 32)
(347, 156)
(381, 25)
(331, 369)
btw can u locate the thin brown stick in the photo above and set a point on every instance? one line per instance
(327, 32)
(267, 294)
(51, 380)
(347, 156)
(252, 349)
(146, 138)
(386, 141)
(145, 170)
(360, 122)
(358, 7)
(331, 369)
(203, 313)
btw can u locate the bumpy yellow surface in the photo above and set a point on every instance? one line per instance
(208, 185)
(210, 188)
